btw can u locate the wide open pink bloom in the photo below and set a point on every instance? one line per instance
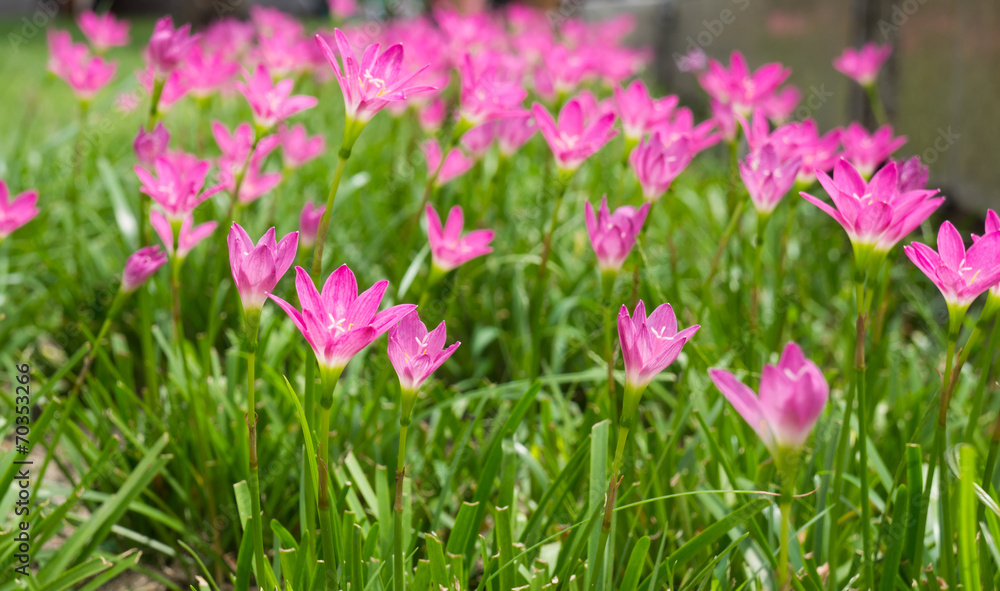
(863, 64)
(960, 275)
(104, 31)
(456, 163)
(337, 322)
(866, 151)
(449, 248)
(272, 103)
(178, 183)
(572, 138)
(738, 86)
(416, 353)
(792, 396)
(298, 148)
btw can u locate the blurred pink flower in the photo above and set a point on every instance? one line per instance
(792, 396)
(272, 103)
(178, 183)
(649, 345)
(573, 139)
(254, 183)
(150, 145)
(16, 212)
(187, 236)
(992, 227)
(613, 234)
(309, 224)
(863, 64)
(694, 60)
(342, 9)
(866, 151)
(487, 91)
(297, 148)
(681, 124)
(657, 163)
(960, 275)
(801, 140)
(338, 323)
(141, 266)
(514, 131)
(415, 353)
(168, 47)
(875, 214)
(780, 105)
(235, 146)
(449, 248)
(205, 73)
(258, 268)
(912, 174)
(634, 108)
(104, 31)
(768, 178)
(456, 163)
(432, 116)
(65, 57)
(738, 86)
(477, 141)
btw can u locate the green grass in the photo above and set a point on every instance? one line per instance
(499, 474)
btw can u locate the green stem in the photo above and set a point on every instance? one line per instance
(941, 445)
(329, 378)
(984, 378)
(537, 303)
(608, 286)
(254, 480)
(841, 465)
(398, 581)
(724, 242)
(786, 510)
(878, 108)
(755, 289)
(860, 376)
(609, 507)
(324, 221)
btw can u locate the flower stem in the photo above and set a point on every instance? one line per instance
(841, 464)
(724, 241)
(860, 376)
(398, 582)
(607, 287)
(254, 480)
(324, 220)
(609, 506)
(878, 108)
(758, 265)
(537, 303)
(329, 379)
(786, 510)
(984, 378)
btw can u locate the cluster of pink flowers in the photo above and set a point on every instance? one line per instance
(86, 74)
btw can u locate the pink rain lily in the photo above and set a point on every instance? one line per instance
(960, 275)
(650, 344)
(297, 148)
(150, 145)
(486, 92)
(912, 174)
(141, 266)
(866, 151)
(309, 224)
(342, 9)
(863, 64)
(613, 234)
(253, 181)
(875, 214)
(514, 131)
(205, 73)
(456, 163)
(634, 108)
(449, 248)
(17, 212)
(168, 47)
(767, 178)
(656, 164)
(802, 140)
(780, 105)
(477, 141)
(172, 87)
(177, 185)
(738, 86)
(573, 139)
(188, 235)
(694, 60)
(432, 116)
(371, 84)
(337, 322)
(416, 353)
(64, 56)
(104, 31)
(681, 124)
(992, 227)
(258, 268)
(272, 103)
(235, 146)
(792, 396)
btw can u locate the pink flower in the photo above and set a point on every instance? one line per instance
(168, 47)
(488, 92)
(17, 212)
(792, 396)
(309, 224)
(681, 124)
(649, 345)
(866, 151)
(992, 227)
(456, 163)
(875, 214)
(432, 116)
(258, 268)
(341, 9)
(912, 174)
(255, 183)
(187, 236)
(573, 140)
(780, 105)
(64, 56)
(177, 185)
(272, 103)
(960, 275)
(150, 145)
(738, 87)
(634, 107)
(338, 323)
(863, 64)
(141, 266)
(694, 60)
(802, 140)
(85, 74)
(656, 164)
(477, 141)
(297, 147)
(415, 353)
(449, 249)
(103, 31)
(767, 178)
(371, 84)
(514, 131)
(235, 146)
(613, 234)
(172, 87)
(204, 73)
